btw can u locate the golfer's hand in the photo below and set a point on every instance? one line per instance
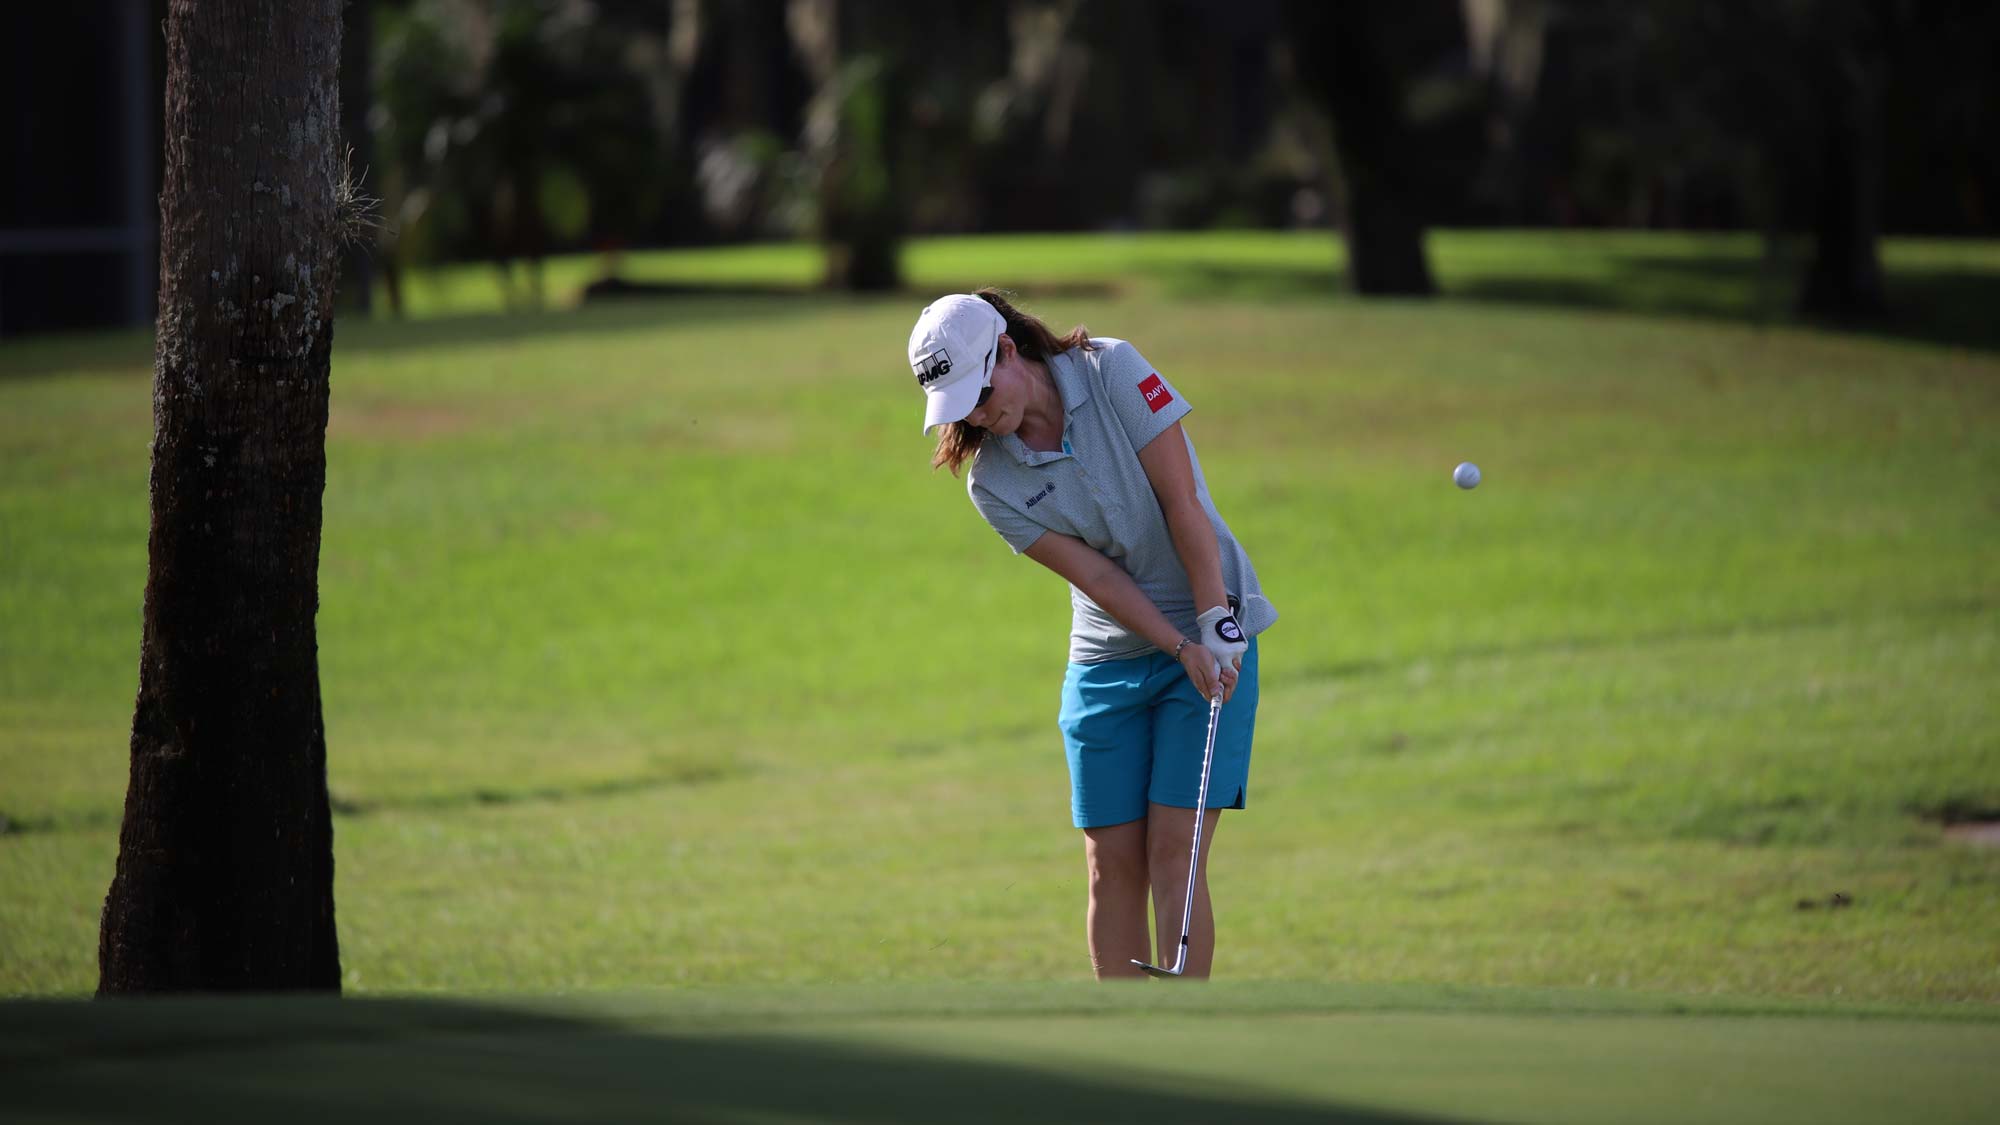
(1223, 637)
(1206, 675)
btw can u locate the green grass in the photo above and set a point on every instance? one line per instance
(1939, 290)
(1054, 1053)
(653, 654)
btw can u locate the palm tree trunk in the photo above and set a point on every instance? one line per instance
(225, 864)
(1353, 69)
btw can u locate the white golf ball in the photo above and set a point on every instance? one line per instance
(1466, 475)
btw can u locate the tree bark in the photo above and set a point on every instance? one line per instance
(225, 865)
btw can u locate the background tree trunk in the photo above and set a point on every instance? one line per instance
(1348, 61)
(1848, 73)
(225, 865)
(357, 267)
(854, 51)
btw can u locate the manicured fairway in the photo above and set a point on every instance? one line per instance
(1226, 1053)
(654, 655)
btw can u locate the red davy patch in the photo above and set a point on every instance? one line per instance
(1156, 392)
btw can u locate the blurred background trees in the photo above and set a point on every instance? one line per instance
(506, 130)
(1395, 82)
(511, 128)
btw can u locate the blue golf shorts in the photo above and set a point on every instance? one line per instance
(1134, 730)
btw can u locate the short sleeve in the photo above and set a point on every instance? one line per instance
(1141, 398)
(1018, 530)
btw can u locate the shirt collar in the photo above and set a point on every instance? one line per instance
(1071, 383)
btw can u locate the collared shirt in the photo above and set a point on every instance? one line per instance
(1095, 489)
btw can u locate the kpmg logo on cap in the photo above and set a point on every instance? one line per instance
(932, 367)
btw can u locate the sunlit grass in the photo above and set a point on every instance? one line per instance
(653, 653)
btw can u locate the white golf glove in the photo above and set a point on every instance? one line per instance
(1222, 636)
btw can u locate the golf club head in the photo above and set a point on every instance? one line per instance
(1155, 970)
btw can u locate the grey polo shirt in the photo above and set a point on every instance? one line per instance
(1095, 489)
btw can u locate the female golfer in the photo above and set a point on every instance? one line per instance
(1079, 462)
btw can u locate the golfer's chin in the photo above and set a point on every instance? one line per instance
(1004, 425)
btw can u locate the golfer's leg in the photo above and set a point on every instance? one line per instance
(1116, 919)
(1169, 835)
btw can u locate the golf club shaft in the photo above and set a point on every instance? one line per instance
(1194, 850)
(1200, 807)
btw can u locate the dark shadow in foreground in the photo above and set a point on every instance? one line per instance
(302, 1060)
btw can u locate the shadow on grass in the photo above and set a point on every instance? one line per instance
(1954, 308)
(1263, 282)
(632, 308)
(682, 777)
(1951, 307)
(130, 352)
(302, 1060)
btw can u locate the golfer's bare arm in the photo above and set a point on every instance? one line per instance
(1171, 473)
(1106, 583)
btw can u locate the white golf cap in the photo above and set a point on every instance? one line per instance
(952, 350)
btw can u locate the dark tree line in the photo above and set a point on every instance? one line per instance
(1826, 121)
(858, 122)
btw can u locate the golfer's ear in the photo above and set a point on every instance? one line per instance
(1005, 349)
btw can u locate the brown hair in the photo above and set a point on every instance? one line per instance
(958, 441)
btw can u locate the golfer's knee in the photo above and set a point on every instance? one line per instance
(1113, 872)
(1167, 852)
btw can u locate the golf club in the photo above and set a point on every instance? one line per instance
(1194, 857)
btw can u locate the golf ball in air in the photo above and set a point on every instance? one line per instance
(1467, 474)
